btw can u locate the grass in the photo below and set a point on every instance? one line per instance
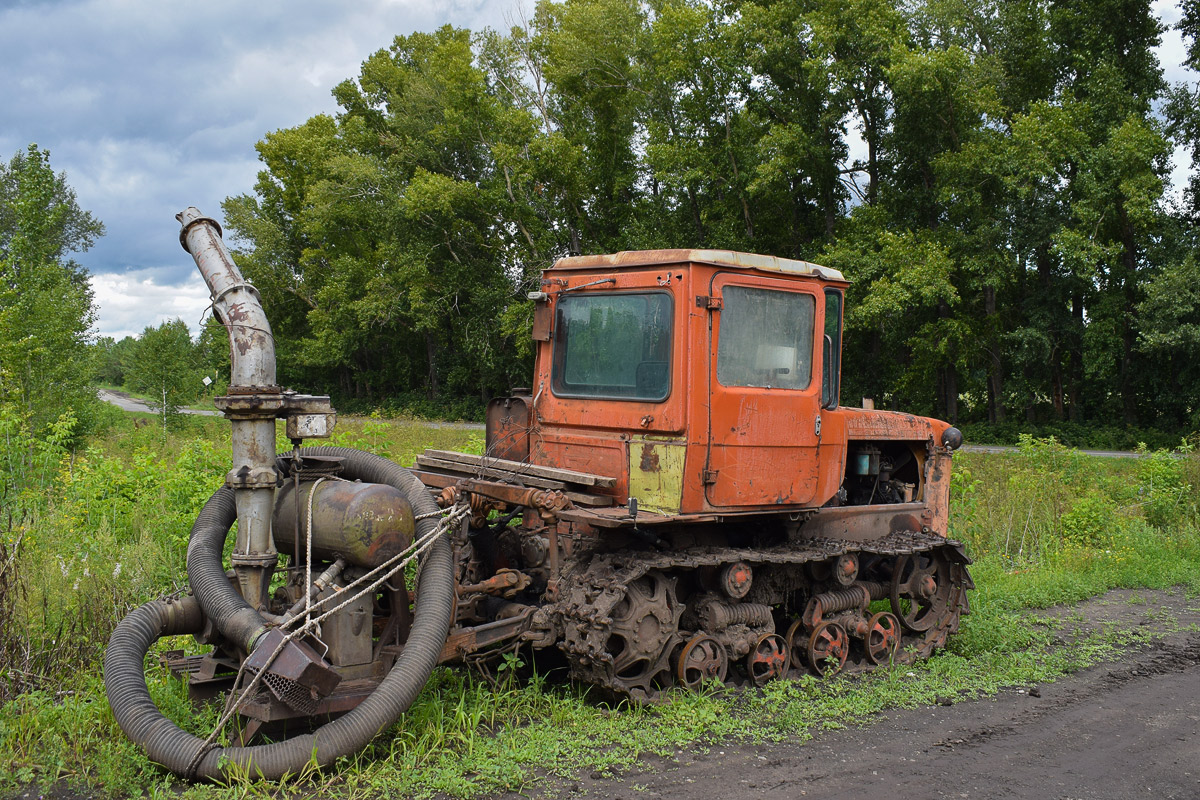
(1046, 525)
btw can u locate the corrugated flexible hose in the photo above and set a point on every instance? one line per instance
(214, 597)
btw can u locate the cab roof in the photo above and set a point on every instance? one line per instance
(716, 258)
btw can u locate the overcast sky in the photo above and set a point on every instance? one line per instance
(152, 106)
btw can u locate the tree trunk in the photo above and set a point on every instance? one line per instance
(1056, 383)
(1128, 334)
(1076, 412)
(950, 381)
(951, 395)
(432, 390)
(696, 221)
(995, 365)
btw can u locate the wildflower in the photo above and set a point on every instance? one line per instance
(117, 570)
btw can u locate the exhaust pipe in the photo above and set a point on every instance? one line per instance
(252, 405)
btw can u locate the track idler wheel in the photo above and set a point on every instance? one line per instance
(768, 659)
(828, 649)
(920, 590)
(883, 637)
(701, 659)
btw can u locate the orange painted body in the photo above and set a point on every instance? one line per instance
(744, 448)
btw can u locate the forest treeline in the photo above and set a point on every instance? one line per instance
(993, 177)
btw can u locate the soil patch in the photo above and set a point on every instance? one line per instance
(1124, 729)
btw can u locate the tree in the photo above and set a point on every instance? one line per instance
(393, 244)
(166, 366)
(46, 310)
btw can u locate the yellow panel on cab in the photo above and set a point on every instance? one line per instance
(656, 473)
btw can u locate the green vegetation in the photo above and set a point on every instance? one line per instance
(1014, 255)
(88, 534)
(165, 366)
(45, 300)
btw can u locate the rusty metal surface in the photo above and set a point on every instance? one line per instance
(864, 523)
(656, 473)
(252, 352)
(365, 523)
(729, 259)
(347, 696)
(235, 302)
(506, 428)
(464, 641)
(702, 658)
(615, 619)
(549, 503)
(297, 676)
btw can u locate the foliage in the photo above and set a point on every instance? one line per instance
(1072, 434)
(1011, 253)
(1167, 496)
(46, 310)
(1087, 523)
(166, 365)
(114, 359)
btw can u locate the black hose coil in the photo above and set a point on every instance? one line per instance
(167, 744)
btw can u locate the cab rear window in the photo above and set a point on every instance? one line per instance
(613, 346)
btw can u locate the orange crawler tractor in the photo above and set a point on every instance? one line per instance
(679, 497)
(690, 493)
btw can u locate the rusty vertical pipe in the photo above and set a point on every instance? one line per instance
(253, 400)
(235, 302)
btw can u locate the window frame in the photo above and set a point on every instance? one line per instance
(721, 330)
(831, 373)
(558, 384)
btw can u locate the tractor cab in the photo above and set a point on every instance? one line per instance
(701, 380)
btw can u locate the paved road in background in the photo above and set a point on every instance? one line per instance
(128, 402)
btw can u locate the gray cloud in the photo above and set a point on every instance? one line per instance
(150, 107)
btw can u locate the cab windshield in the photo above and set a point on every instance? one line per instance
(613, 346)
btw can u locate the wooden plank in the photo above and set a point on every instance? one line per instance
(520, 467)
(440, 480)
(469, 471)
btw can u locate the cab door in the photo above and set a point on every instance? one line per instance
(765, 391)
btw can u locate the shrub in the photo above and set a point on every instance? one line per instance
(1090, 522)
(1165, 493)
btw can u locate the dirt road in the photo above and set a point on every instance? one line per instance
(1124, 730)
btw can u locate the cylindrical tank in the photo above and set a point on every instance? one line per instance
(364, 523)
